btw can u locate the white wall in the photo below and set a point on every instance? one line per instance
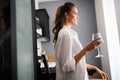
(37, 2)
(107, 25)
(101, 29)
(117, 5)
(22, 46)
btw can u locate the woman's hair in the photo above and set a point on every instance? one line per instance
(5, 18)
(60, 18)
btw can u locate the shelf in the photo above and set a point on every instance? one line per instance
(42, 21)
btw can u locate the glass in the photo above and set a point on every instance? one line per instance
(95, 36)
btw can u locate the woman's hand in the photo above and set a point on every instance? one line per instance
(102, 74)
(93, 44)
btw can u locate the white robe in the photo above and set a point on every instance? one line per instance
(67, 46)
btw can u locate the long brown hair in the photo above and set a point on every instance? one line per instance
(5, 18)
(60, 18)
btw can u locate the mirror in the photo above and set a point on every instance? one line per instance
(86, 10)
(87, 15)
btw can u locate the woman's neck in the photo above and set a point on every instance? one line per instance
(68, 25)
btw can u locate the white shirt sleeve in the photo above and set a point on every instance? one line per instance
(66, 58)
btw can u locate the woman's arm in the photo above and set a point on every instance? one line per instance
(91, 67)
(102, 74)
(90, 46)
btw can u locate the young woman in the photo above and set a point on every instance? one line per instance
(5, 45)
(70, 56)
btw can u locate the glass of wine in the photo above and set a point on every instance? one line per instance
(95, 36)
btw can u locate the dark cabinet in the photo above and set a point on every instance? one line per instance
(42, 25)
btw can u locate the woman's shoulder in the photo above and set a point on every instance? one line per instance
(64, 32)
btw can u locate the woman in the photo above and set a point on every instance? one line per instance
(70, 56)
(5, 45)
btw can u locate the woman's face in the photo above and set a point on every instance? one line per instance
(72, 18)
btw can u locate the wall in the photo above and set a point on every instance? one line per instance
(101, 28)
(86, 27)
(117, 3)
(23, 40)
(108, 24)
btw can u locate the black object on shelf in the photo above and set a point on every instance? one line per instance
(45, 73)
(42, 25)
